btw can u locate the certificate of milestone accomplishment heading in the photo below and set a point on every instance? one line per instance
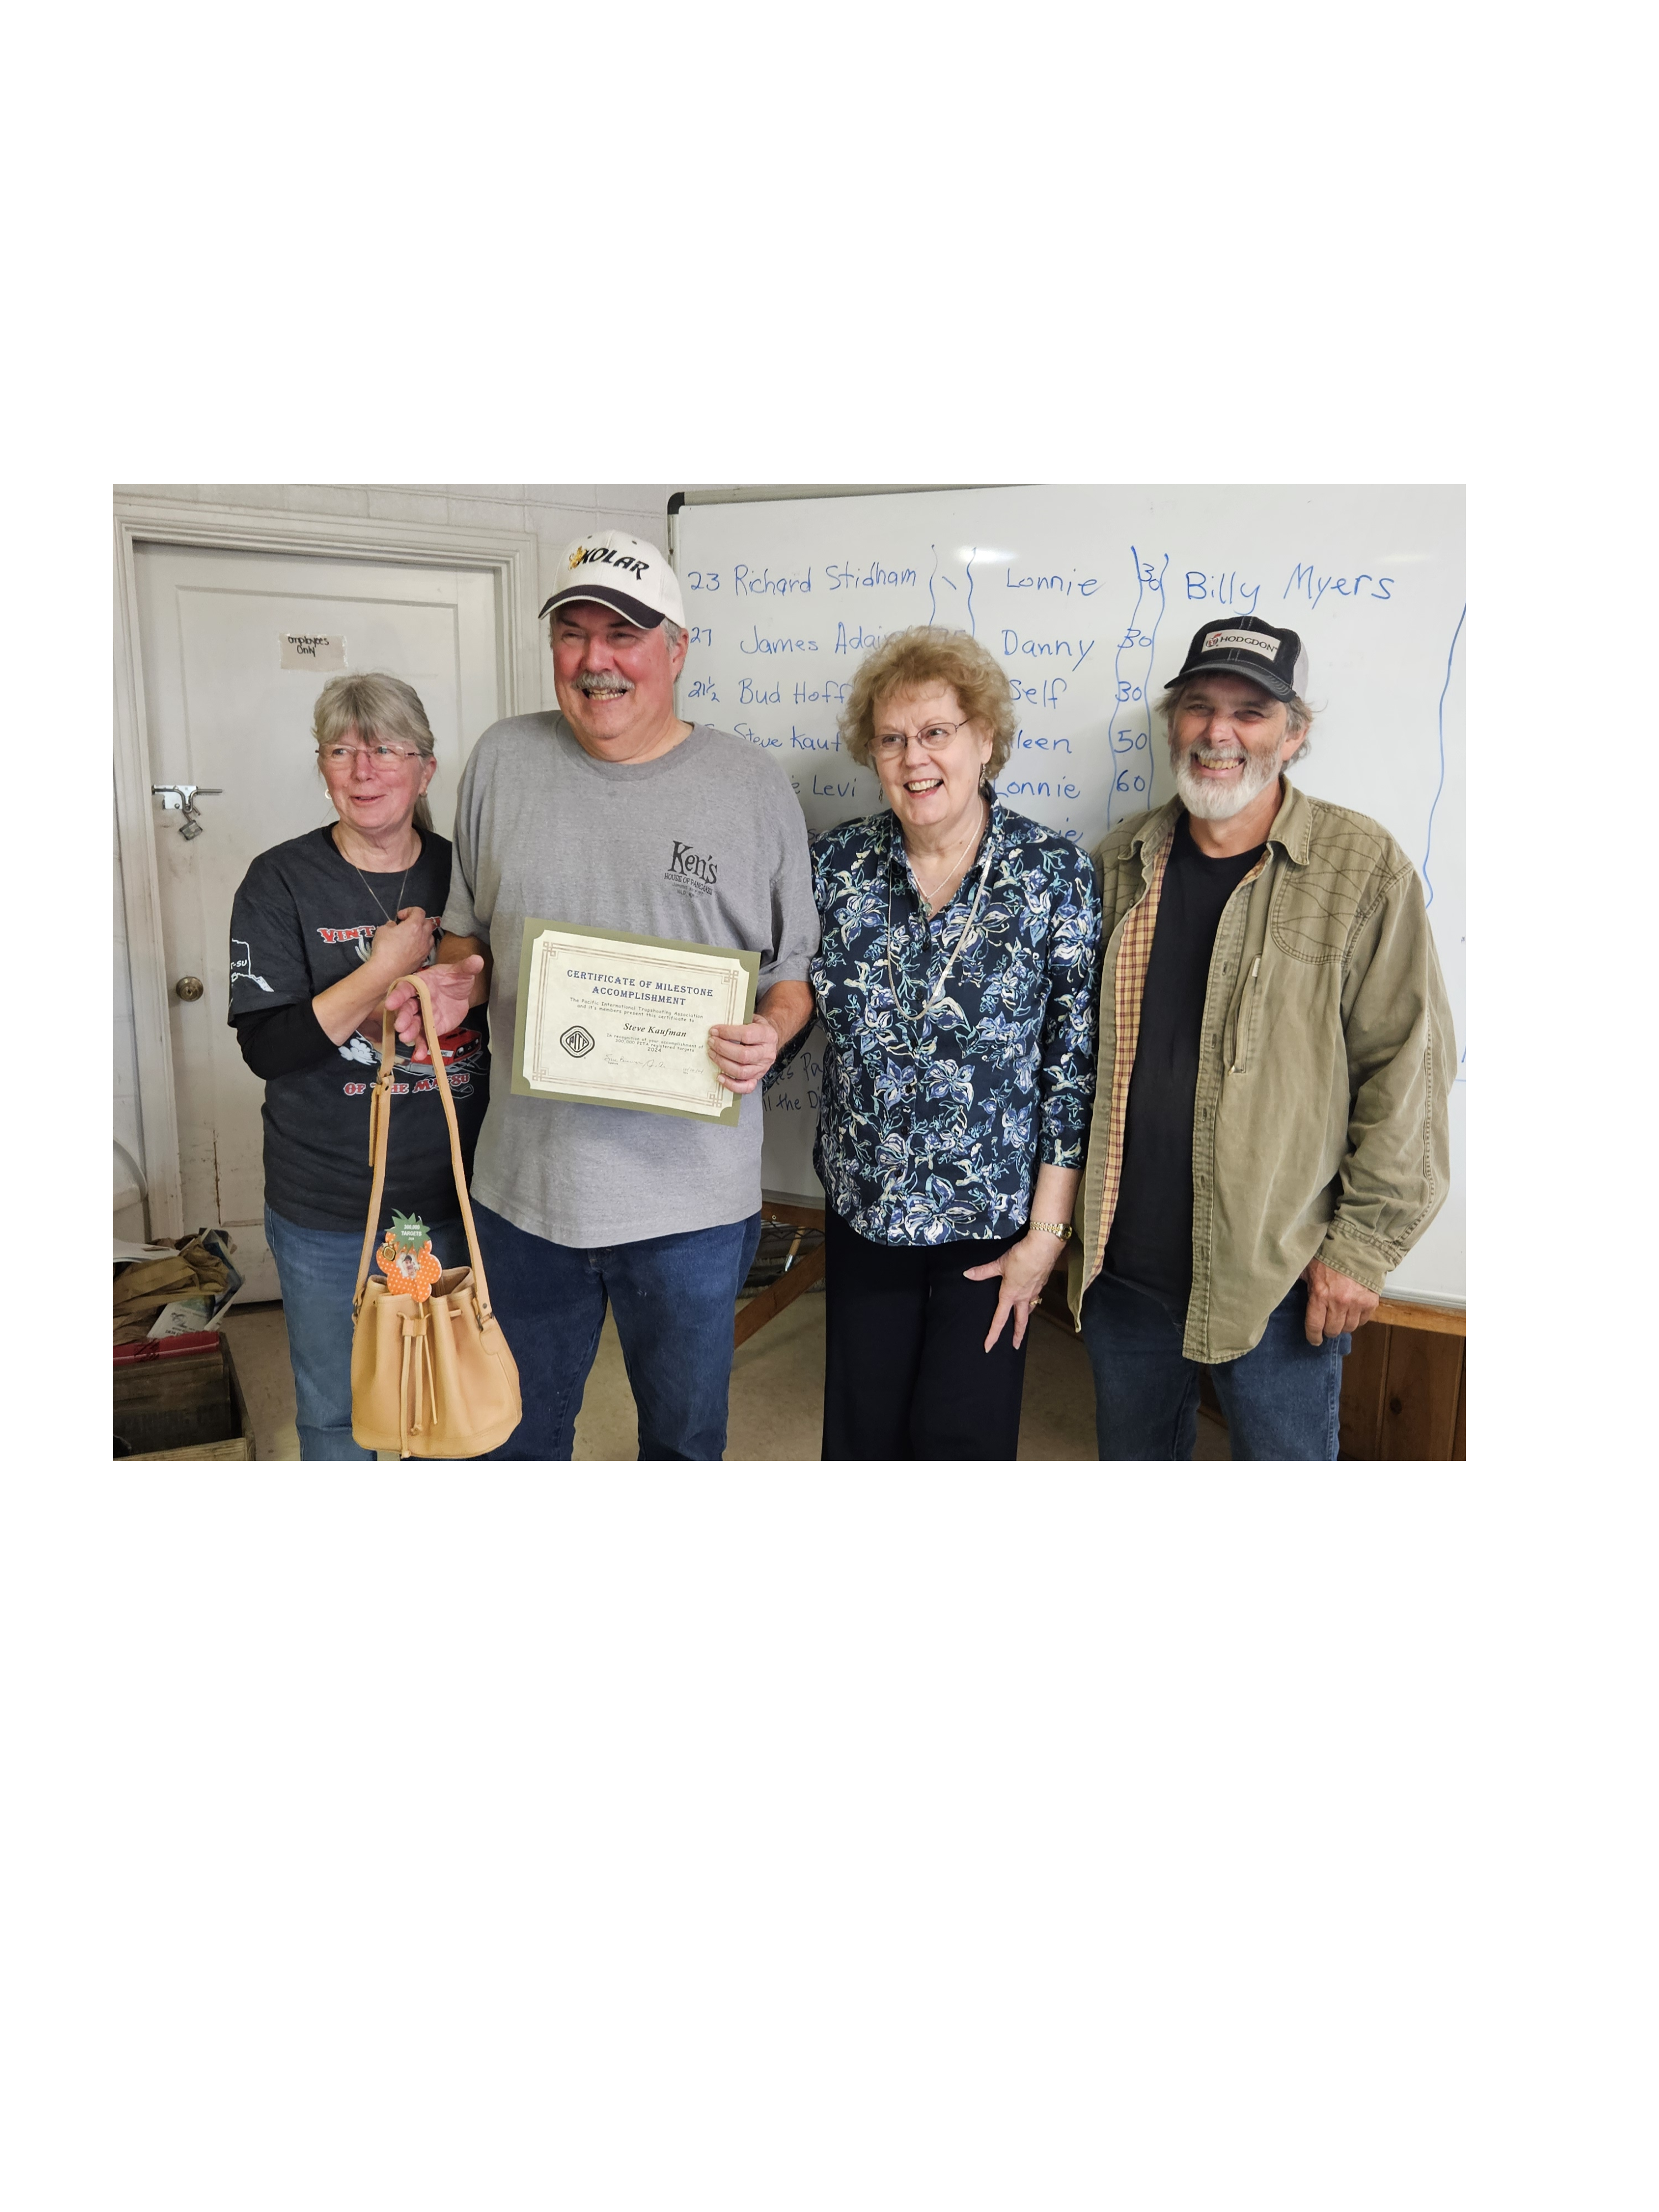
(606, 1017)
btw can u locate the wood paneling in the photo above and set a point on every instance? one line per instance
(1419, 1400)
(1402, 1394)
(1364, 1373)
(1458, 1450)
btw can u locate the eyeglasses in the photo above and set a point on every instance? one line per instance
(934, 739)
(383, 755)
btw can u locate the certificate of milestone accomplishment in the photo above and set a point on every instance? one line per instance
(610, 1018)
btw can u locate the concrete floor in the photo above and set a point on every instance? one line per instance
(777, 1392)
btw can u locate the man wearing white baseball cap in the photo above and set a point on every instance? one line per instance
(1270, 1130)
(612, 814)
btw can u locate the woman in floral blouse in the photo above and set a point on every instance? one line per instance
(956, 984)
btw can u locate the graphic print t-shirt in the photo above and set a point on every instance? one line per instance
(303, 919)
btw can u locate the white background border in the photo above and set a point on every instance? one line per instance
(800, 1837)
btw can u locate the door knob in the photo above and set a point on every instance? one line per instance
(189, 987)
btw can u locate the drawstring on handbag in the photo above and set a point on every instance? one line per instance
(418, 1355)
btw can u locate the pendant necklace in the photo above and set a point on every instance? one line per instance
(368, 886)
(966, 931)
(978, 832)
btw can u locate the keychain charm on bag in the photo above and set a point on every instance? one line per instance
(406, 1258)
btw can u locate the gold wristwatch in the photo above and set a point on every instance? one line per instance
(1060, 1229)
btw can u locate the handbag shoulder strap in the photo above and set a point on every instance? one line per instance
(379, 1137)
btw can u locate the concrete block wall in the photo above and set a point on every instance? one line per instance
(556, 512)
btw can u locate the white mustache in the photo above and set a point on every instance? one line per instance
(603, 687)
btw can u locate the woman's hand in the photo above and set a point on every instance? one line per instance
(1024, 1268)
(402, 946)
(356, 1002)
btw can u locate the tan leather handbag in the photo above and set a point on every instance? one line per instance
(431, 1378)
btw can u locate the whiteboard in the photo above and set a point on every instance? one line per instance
(1089, 596)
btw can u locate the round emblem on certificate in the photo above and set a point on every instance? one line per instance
(576, 1040)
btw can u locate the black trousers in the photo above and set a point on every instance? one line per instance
(906, 1372)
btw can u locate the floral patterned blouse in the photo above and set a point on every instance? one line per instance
(960, 1050)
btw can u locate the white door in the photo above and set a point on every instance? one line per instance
(223, 711)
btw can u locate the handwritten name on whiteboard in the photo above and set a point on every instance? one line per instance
(302, 650)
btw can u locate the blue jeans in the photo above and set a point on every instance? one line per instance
(675, 1302)
(1280, 1399)
(317, 1271)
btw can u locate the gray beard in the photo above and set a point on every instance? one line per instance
(1211, 804)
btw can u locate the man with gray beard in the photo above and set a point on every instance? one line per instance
(1270, 1131)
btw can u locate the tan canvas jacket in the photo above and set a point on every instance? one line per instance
(1320, 1124)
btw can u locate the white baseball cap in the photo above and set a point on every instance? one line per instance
(627, 574)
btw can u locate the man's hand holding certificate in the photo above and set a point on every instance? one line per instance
(743, 1052)
(606, 1017)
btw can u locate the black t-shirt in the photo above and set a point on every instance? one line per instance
(302, 920)
(1150, 1246)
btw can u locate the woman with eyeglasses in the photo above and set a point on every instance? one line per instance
(956, 984)
(322, 927)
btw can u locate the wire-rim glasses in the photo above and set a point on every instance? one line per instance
(935, 738)
(382, 756)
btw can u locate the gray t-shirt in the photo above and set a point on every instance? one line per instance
(707, 843)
